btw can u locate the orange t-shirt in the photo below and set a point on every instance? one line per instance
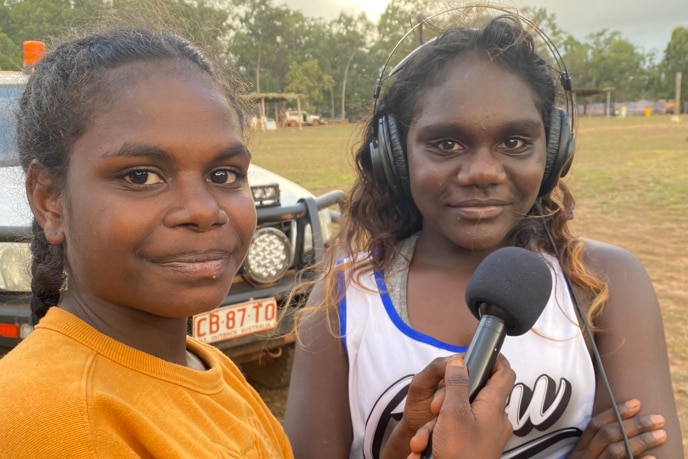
(70, 391)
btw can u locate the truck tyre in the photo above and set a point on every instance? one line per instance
(316, 122)
(271, 373)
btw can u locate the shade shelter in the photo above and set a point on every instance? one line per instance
(260, 99)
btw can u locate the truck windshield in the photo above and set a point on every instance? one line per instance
(9, 96)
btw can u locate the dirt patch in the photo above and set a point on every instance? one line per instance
(275, 399)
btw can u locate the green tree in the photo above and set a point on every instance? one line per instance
(401, 19)
(546, 22)
(203, 22)
(274, 47)
(308, 79)
(615, 62)
(55, 20)
(36, 19)
(675, 60)
(263, 40)
(343, 55)
(10, 54)
(576, 56)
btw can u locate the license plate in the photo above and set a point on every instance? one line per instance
(235, 320)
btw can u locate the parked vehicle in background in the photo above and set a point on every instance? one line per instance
(253, 325)
(294, 118)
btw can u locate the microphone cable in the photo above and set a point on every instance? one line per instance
(586, 325)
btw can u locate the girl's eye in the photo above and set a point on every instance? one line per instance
(514, 143)
(223, 177)
(448, 146)
(143, 177)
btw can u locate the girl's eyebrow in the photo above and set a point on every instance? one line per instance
(442, 128)
(162, 155)
(523, 125)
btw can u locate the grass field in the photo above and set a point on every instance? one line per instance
(630, 178)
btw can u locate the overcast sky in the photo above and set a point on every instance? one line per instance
(646, 23)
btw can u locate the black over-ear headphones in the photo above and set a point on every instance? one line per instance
(388, 152)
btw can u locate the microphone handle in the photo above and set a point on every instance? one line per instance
(482, 352)
(480, 358)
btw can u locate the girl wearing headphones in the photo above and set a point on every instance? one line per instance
(463, 156)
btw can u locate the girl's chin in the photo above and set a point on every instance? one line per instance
(185, 309)
(481, 243)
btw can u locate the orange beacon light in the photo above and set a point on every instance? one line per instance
(33, 52)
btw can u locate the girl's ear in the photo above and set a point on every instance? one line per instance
(46, 202)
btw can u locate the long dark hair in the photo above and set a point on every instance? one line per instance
(377, 217)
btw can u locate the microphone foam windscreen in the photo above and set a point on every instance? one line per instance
(512, 283)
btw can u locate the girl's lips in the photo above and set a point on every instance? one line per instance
(479, 212)
(209, 268)
(208, 264)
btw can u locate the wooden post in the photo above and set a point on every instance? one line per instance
(677, 114)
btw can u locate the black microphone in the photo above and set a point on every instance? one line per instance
(507, 293)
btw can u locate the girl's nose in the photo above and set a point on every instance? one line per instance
(196, 207)
(482, 168)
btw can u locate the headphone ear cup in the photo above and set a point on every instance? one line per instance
(560, 148)
(387, 155)
(379, 156)
(398, 156)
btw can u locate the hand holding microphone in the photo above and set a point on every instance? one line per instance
(463, 430)
(507, 293)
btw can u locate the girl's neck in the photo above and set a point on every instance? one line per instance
(162, 337)
(432, 252)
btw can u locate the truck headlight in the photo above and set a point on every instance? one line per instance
(15, 267)
(268, 258)
(266, 195)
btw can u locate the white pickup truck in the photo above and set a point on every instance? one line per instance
(294, 118)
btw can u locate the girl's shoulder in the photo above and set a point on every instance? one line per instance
(630, 288)
(44, 391)
(604, 257)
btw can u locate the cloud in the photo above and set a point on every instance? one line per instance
(645, 23)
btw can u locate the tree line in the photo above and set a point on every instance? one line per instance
(335, 63)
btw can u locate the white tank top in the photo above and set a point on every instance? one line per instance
(552, 399)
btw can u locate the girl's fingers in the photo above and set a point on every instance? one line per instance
(421, 439)
(627, 409)
(603, 436)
